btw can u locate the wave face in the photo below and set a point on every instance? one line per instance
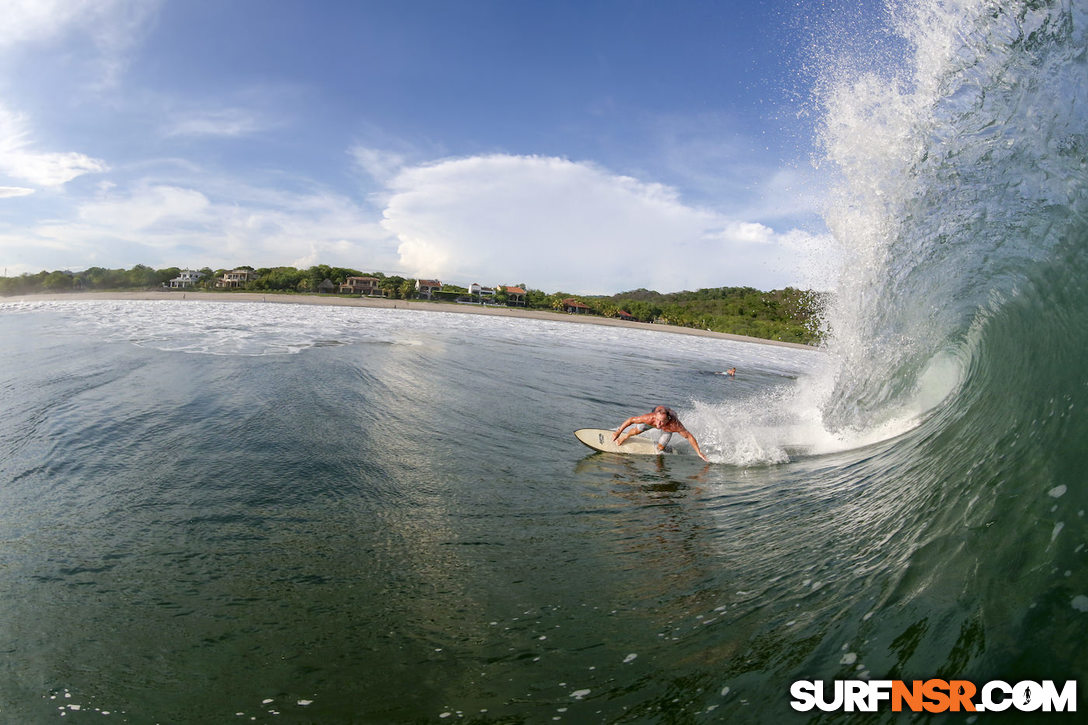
(958, 204)
(962, 194)
(962, 210)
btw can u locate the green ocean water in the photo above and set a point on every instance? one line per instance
(394, 524)
(391, 524)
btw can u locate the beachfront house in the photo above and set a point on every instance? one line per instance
(515, 296)
(326, 287)
(236, 278)
(366, 286)
(574, 307)
(625, 315)
(187, 278)
(480, 293)
(427, 287)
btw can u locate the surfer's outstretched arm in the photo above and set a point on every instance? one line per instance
(623, 426)
(694, 443)
(621, 429)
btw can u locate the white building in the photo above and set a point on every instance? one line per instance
(427, 287)
(236, 278)
(482, 294)
(187, 278)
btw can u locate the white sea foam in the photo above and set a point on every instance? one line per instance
(244, 328)
(788, 421)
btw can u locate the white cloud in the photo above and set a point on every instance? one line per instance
(49, 169)
(748, 233)
(381, 165)
(227, 123)
(164, 225)
(551, 223)
(112, 26)
(9, 192)
(557, 224)
(30, 21)
(19, 160)
(148, 208)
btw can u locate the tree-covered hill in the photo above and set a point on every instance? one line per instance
(787, 314)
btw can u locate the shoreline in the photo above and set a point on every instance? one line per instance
(380, 302)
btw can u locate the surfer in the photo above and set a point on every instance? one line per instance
(662, 418)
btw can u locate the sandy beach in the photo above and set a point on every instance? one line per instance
(195, 296)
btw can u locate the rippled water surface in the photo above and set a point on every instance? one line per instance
(392, 523)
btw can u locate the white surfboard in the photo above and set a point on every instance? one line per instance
(600, 439)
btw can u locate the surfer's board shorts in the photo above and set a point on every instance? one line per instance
(662, 440)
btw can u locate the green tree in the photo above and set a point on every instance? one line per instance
(536, 299)
(165, 275)
(56, 281)
(141, 276)
(278, 279)
(393, 287)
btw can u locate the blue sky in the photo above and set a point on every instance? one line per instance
(578, 146)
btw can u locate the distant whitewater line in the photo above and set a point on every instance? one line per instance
(327, 300)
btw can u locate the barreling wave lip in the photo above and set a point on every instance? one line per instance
(881, 437)
(938, 386)
(789, 427)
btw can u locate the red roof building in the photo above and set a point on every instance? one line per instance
(575, 307)
(515, 296)
(427, 287)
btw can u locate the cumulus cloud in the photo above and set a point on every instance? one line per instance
(20, 160)
(551, 223)
(558, 224)
(219, 226)
(749, 233)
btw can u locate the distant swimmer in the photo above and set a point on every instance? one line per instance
(662, 418)
(731, 372)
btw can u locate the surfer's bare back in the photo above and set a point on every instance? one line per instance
(662, 418)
